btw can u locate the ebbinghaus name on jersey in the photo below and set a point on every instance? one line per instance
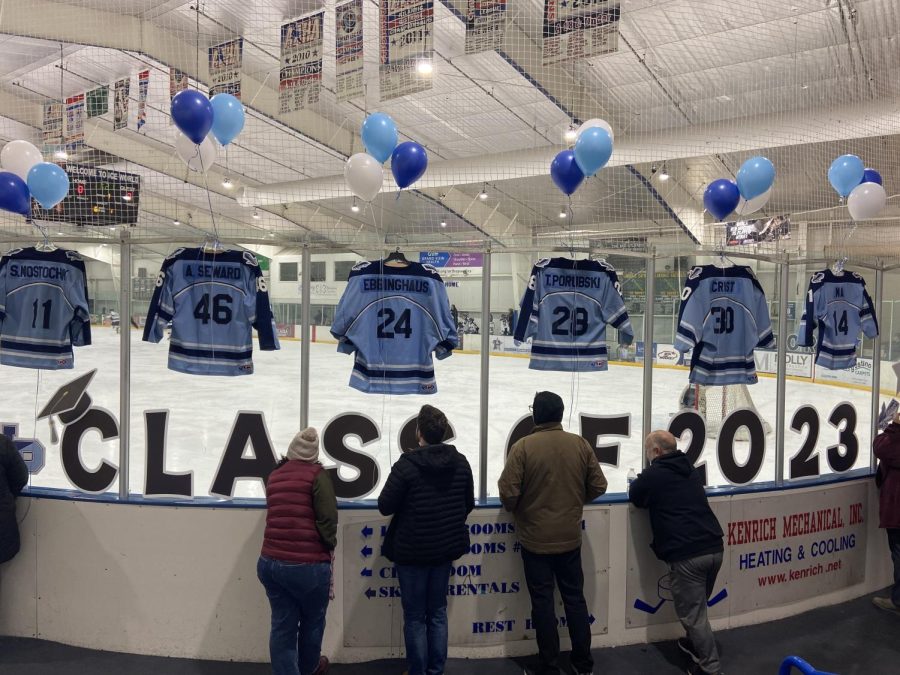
(396, 285)
(572, 281)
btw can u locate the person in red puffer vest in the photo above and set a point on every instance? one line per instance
(295, 563)
(887, 478)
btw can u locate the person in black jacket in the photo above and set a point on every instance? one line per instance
(430, 492)
(13, 477)
(687, 537)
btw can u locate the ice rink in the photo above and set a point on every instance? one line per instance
(203, 409)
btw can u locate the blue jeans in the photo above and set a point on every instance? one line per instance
(298, 594)
(423, 593)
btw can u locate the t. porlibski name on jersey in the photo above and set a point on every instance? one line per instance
(392, 319)
(840, 306)
(213, 300)
(565, 311)
(723, 318)
(44, 308)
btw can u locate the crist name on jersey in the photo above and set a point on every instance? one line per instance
(26, 271)
(210, 271)
(552, 279)
(722, 286)
(403, 285)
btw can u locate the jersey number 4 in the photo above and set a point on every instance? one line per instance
(221, 309)
(390, 325)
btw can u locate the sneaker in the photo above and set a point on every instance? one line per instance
(324, 665)
(687, 648)
(886, 604)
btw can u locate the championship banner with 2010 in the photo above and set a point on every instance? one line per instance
(575, 29)
(301, 63)
(225, 62)
(348, 50)
(407, 29)
(485, 25)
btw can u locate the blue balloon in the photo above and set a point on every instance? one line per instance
(193, 114)
(755, 177)
(48, 184)
(721, 197)
(593, 149)
(565, 172)
(228, 117)
(871, 176)
(408, 163)
(379, 135)
(14, 194)
(845, 173)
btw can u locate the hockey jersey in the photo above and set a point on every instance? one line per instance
(840, 306)
(212, 299)
(393, 318)
(723, 318)
(44, 308)
(565, 311)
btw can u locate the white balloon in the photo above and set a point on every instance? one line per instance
(197, 157)
(596, 122)
(866, 201)
(747, 206)
(18, 157)
(364, 176)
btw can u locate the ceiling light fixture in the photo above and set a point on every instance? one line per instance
(355, 206)
(425, 67)
(483, 194)
(571, 134)
(562, 213)
(663, 174)
(443, 223)
(61, 154)
(226, 183)
(176, 222)
(256, 215)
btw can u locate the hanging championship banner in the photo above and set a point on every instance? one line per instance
(301, 63)
(485, 25)
(178, 81)
(575, 29)
(52, 127)
(406, 40)
(348, 49)
(143, 90)
(120, 104)
(225, 62)
(97, 102)
(74, 122)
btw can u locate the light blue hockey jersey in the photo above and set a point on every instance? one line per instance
(44, 308)
(393, 318)
(840, 307)
(723, 318)
(565, 311)
(213, 299)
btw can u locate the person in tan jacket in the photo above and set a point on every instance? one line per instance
(548, 478)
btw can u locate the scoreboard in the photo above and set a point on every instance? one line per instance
(96, 197)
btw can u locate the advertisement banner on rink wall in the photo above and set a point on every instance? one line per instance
(799, 364)
(742, 232)
(575, 30)
(225, 61)
(52, 126)
(178, 81)
(143, 91)
(488, 598)
(406, 40)
(485, 25)
(300, 79)
(500, 344)
(667, 354)
(860, 374)
(348, 50)
(74, 122)
(453, 264)
(120, 103)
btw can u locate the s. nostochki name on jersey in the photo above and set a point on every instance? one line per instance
(37, 272)
(396, 285)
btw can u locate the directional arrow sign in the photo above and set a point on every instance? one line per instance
(366, 572)
(366, 551)
(367, 531)
(370, 593)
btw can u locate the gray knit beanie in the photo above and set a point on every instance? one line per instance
(305, 446)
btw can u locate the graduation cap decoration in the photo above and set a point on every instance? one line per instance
(70, 402)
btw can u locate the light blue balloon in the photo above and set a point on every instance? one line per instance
(593, 150)
(228, 118)
(379, 135)
(845, 173)
(755, 177)
(48, 184)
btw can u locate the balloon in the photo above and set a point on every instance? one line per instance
(14, 194)
(48, 183)
(18, 157)
(228, 117)
(593, 150)
(197, 157)
(364, 176)
(755, 176)
(408, 163)
(193, 114)
(845, 173)
(721, 197)
(872, 176)
(379, 135)
(866, 201)
(565, 172)
(747, 206)
(596, 122)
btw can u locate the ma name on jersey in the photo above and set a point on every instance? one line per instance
(723, 318)
(565, 311)
(840, 307)
(213, 300)
(393, 319)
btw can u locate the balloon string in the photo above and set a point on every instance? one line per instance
(212, 214)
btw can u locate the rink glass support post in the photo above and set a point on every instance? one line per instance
(876, 363)
(124, 361)
(485, 370)
(305, 288)
(647, 392)
(781, 373)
